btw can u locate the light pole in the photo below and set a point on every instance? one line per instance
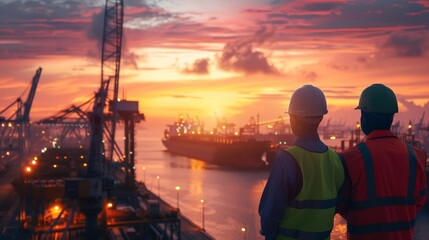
(244, 232)
(178, 189)
(202, 201)
(157, 177)
(144, 174)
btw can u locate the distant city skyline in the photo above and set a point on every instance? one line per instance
(231, 59)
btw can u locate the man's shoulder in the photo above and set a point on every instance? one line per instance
(421, 156)
(283, 154)
(283, 157)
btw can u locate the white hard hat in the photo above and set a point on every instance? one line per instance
(308, 101)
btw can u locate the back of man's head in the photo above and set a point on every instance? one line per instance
(371, 121)
(378, 105)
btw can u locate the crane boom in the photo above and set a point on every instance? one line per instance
(29, 102)
(111, 57)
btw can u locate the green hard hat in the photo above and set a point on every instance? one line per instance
(379, 99)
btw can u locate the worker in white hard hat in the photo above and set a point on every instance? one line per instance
(300, 196)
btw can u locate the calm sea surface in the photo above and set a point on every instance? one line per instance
(231, 197)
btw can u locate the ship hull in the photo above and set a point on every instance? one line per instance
(237, 154)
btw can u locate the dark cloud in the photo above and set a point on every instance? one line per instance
(320, 6)
(403, 45)
(47, 27)
(138, 3)
(376, 14)
(27, 10)
(200, 67)
(340, 67)
(251, 10)
(185, 96)
(240, 55)
(95, 28)
(362, 59)
(42, 27)
(95, 32)
(357, 19)
(309, 76)
(130, 59)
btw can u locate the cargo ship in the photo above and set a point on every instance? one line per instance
(221, 146)
(224, 146)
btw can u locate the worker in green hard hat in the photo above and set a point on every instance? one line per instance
(385, 181)
(300, 196)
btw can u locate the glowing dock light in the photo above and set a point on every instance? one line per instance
(243, 230)
(81, 156)
(332, 137)
(178, 190)
(109, 205)
(33, 162)
(157, 177)
(9, 124)
(202, 201)
(7, 153)
(85, 164)
(56, 209)
(55, 166)
(35, 158)
(28, 169)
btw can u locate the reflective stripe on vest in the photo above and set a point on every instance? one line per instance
(297, 234)
(374, 201)
(310, 214)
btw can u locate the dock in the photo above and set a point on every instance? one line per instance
(123, 222)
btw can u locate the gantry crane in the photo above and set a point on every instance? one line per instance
(111, 59)
(14, 128)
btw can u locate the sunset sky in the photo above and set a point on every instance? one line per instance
(231, 59)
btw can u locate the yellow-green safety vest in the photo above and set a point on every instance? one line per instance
(310, 215)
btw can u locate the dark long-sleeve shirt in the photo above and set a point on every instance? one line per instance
(284, 183)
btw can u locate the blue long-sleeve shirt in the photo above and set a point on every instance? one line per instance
(284, 183)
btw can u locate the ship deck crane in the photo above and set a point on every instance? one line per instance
(252, 127)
